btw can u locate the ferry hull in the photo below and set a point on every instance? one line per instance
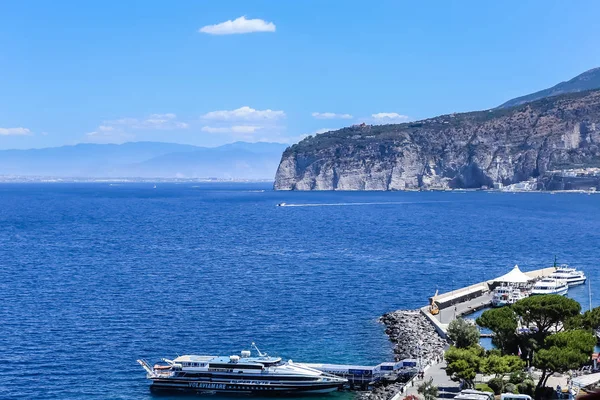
(575, 282)
(179, 385)
(562, 292)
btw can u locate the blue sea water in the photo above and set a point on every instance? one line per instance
(94, 276)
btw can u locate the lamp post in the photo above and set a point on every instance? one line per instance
(419, 348)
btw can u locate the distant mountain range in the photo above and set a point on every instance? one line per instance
(238, 160)
(587, 81)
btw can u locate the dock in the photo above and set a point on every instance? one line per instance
(363, 376)
(465, 301)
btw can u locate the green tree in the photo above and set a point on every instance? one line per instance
(501, 365)
(563, 351)
(463, 334)
(547, 313)
(428, 390)
(463, 364)
(494, 365)
(590, 319)
(503, 322)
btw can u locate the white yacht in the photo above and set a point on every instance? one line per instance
(506, 295)
(263, 375)
(550, 286)
(571, 275)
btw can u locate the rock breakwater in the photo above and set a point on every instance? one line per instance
(381, 392)
(413, 336)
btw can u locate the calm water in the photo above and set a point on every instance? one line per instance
(94, 276)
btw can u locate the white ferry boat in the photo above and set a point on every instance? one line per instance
(506, 295)
(571, 275)
(263, 375)
(550, 286)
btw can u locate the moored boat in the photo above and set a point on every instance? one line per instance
(550, 286)
(506, 295)
(243, 374)
(571, 275)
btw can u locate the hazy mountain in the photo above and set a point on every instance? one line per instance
(586, 81)
(147, 160)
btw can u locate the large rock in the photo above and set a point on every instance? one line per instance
(413, 336)
(467, 150)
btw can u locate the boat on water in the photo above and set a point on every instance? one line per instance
(280, 204)
(550, 286)
(571, 275)
(243, 374)
(506, 295)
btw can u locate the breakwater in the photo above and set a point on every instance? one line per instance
(413, 336)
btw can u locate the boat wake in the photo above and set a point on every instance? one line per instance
(372, 203)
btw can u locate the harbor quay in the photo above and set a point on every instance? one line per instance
(467, 300)
(421, 334)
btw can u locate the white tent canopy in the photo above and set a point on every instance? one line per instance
(586, 380)
(514, 276)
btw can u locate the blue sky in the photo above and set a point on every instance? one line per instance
(115, 71)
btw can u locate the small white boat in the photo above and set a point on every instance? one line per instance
(550, 286)
(506, 295)
(571, 275)
(280, 204)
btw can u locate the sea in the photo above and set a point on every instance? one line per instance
(96, 275)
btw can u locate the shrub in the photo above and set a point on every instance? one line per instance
(526, 387)
(482, 387)
(493, 352)
(510, 388)
(496, 384)
(428, 390)
(517, 377)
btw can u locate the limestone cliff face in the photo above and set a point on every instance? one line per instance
(467, 150)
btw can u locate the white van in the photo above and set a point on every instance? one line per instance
(472, 394)
(512, 396)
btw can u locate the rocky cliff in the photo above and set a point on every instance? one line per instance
(467, 150)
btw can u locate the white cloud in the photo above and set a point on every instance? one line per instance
(108, 136)
(166, 121)
(390, 117)
(329, 115)
(238, 25)
(323, 130)
(244, 129)
(120, 130)
(15, 131)
(244, 114)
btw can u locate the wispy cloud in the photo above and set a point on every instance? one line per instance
(122, 129)
(244, 129)
(330, 115)
(15, 131)
(390, 116)
(166, 121)
(237, 26)
(246, 123)
(108, 136)
(244, 114)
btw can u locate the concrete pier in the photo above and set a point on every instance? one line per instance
(465, 301)
(452, 305)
